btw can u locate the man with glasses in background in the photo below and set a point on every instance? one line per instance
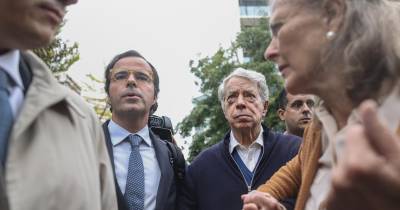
(296, 111)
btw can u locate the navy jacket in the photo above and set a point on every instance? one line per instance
(214, 182)
(167, 189)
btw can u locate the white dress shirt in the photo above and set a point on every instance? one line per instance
(249, 155)
(10, 63)
(122, 150)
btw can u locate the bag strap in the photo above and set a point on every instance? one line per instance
(177, 161)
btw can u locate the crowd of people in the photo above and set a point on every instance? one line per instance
(340, 60)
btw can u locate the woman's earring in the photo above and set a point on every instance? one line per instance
(330, 35)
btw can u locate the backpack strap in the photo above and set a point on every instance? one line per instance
(177, 161)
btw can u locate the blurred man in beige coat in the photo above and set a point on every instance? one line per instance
(52, 149)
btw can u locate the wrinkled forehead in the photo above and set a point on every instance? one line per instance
(284, 6)
(240, 84)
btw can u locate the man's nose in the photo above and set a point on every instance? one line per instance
(306, 109)
(131, 80)
(240, 103)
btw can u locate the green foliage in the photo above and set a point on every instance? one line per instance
(58, 55)
(97, 98)
(206, 122)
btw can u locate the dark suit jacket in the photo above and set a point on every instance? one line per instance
(166, 194)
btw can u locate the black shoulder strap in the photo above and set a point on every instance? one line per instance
(177, 161)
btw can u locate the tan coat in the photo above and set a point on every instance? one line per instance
(297, 176)
(57, 158)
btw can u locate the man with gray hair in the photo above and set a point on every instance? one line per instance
(246, 157)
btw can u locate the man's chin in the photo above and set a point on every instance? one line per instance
(131, 110)
(304, 124)
(244, 125)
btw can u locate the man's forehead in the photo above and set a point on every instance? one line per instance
(133, 62)
(301, 97)
(241, 89)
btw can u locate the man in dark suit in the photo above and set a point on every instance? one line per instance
(144, 177)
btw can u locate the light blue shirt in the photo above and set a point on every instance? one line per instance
(122, 151)
(10, 63)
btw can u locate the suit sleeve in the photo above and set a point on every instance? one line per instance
(107, 186)
(3, 197)
(187, 195)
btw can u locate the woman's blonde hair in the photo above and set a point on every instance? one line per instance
(367, 43)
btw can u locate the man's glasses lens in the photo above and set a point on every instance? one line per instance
(123, 75)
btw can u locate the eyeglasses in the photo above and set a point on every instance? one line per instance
(298, 104)
(122, 75)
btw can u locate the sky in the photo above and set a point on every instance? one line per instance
(167, 33)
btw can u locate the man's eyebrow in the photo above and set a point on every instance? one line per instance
(297, 101)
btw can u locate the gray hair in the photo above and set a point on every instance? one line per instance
(251, 75)
(368, 45)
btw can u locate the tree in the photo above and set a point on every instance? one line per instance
(59, 55)
(97, 97)
(206, 119)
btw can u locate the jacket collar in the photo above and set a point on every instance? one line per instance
(44, 92)
(265, 134)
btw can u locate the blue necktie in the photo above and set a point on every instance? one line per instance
(6, 116)
(134, 190)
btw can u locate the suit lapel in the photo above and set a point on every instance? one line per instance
(120, 196)
(25, 72)
(166, 172)
(44, 91)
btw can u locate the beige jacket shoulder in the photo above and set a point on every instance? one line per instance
(57, 157)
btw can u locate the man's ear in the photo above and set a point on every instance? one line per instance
(281, 114)
(154, 106)
(335, 11)
(265, 108)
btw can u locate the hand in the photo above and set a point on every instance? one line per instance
(367, 176)
(256, 200)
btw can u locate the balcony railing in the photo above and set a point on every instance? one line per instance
(254, 11)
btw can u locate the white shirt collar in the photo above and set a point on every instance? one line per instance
(233, 141)
(118, 134)
(10, 63)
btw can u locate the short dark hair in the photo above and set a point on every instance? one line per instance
(282, 100)
(132, 53)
